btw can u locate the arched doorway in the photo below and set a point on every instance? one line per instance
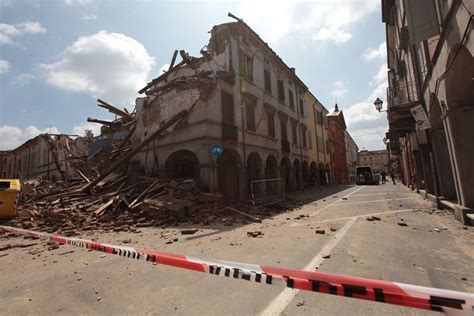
(182, 164)
(228, 173)
(305, 173)
(322, 175)
(271, 167)
(458, 123)
(285, 172)
(297, 174)
(254, 169)
(327, 171)
(313, 173)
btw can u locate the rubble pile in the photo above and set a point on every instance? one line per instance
(116, 204)
(109, 194)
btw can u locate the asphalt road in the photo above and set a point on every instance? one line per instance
(432, 250)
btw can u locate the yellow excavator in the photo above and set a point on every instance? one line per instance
(9, 195)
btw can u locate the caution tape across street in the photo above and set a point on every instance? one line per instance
(450, 302)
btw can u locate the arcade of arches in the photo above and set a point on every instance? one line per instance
(230, 177)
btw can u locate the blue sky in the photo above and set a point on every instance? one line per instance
(58, 56)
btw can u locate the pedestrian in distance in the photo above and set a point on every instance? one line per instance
(392, 175)
(384, 177)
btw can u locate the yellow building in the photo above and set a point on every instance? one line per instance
(377, 159)
(318, 139)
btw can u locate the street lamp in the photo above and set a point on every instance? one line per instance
(378, 105)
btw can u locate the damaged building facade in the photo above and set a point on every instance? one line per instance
(242, 96)
(46, 156)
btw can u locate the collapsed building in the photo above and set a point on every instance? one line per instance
(234, 92)
(48, 156)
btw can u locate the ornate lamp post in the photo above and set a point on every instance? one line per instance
(378, 105)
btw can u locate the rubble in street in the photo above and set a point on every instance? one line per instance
(117, 205)
(108, 193)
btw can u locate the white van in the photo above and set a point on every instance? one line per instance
(365, 175)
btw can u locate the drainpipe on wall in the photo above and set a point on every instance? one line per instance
(244, 149)
(317, 145)
(298, 108)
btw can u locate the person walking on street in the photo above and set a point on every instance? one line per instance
(384, 177)
(392, 175)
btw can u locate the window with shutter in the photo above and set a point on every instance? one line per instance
(271, 122)
(292, 99)
(281, 91)
(293, 133)
(268, 84)
(301, 107)
(284, 132)
(246, 65)
(250, 106)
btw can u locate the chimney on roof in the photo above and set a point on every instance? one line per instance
(336, 109)
(293, 70)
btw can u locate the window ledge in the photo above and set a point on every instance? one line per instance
(247, 79)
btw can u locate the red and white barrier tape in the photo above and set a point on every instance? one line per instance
(450, 302)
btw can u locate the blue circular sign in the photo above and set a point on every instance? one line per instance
(217, 150)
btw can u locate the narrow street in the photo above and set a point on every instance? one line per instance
(364, 235)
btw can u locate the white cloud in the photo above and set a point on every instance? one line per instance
(30, 27)
(23, 79)
(378, 53)
(321, 20)
(365, 124)
(90, 16)
(106, 65)
(79, 2)
(12, 136)
(4, 66)
(380, 81)
(340, 90)
(81, 128)
(9, 31)
(338, 36)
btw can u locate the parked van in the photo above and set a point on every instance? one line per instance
(365, 175)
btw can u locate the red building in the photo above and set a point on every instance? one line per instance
(337, 146)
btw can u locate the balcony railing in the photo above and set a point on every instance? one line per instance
(229, 132)
(404, 93)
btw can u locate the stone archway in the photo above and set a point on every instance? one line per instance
(271, 168)
(322, 175)
(297, 174)
(327, 171)
(228, 172)
(313, 173)
(305, 173)
(460, 115)
(182, 164)
(285, 173)
(255, 169)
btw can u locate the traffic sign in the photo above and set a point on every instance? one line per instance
(216, 150)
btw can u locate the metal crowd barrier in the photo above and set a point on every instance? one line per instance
(267, 191)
